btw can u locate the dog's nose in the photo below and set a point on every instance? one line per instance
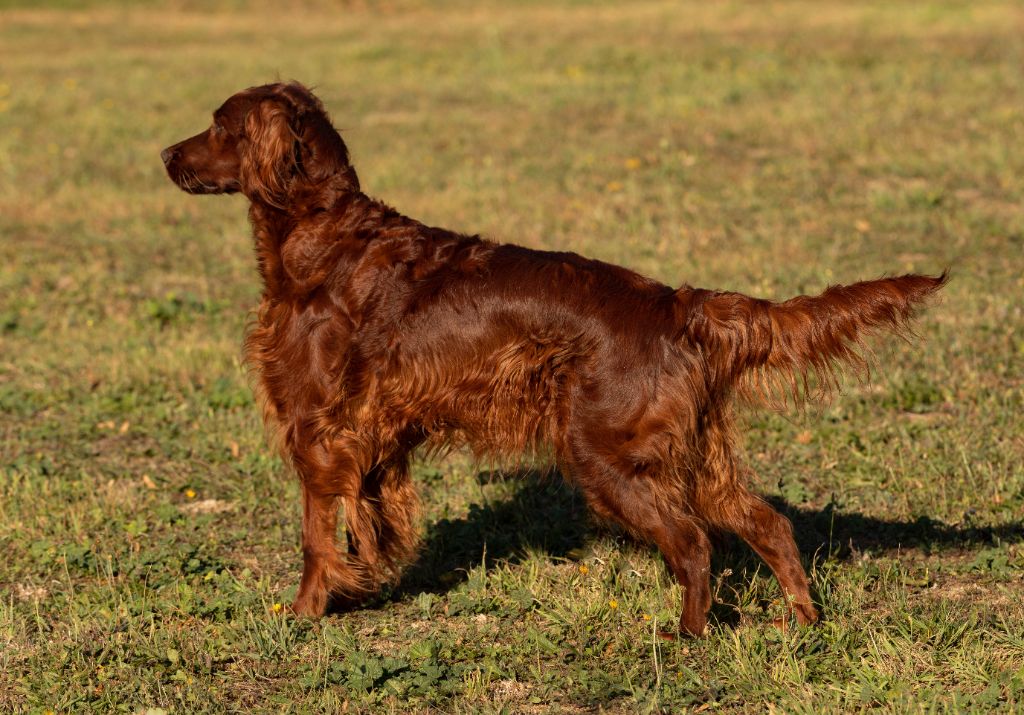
(167, 154)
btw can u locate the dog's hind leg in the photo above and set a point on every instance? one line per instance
(770, 534)
(722, 499)
(655, 515)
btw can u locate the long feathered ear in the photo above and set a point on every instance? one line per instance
(322, 151)
(268, 160)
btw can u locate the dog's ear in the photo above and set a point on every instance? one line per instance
(269, 156)
(322, 153)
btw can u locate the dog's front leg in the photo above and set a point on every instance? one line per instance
(327, 476)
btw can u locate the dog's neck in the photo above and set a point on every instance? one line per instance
(311, 195)
(298, 247)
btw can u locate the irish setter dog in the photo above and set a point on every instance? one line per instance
(377, 335)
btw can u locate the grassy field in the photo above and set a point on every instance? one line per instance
(149, 536)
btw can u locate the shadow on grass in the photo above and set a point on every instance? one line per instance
(827, 531)
(546, 514)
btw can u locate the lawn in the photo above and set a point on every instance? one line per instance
(150, 536)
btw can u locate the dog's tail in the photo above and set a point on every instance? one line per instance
(761, 345)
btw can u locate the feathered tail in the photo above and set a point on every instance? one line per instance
(757, 343)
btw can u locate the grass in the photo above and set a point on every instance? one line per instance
(149, 535)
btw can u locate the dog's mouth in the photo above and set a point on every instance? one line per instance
(189, 181)
(182, 172)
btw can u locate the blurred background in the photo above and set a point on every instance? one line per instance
(770, 148)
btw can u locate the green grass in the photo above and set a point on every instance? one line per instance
(149, 534)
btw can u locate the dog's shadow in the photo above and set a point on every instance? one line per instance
(828, 532)
(545, 514)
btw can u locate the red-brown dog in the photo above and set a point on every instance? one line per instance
(377, 334)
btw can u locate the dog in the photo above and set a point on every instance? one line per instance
(378, 335)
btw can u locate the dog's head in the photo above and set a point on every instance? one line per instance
(264, 142)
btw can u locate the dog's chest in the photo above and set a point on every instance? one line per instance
(299, 360)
